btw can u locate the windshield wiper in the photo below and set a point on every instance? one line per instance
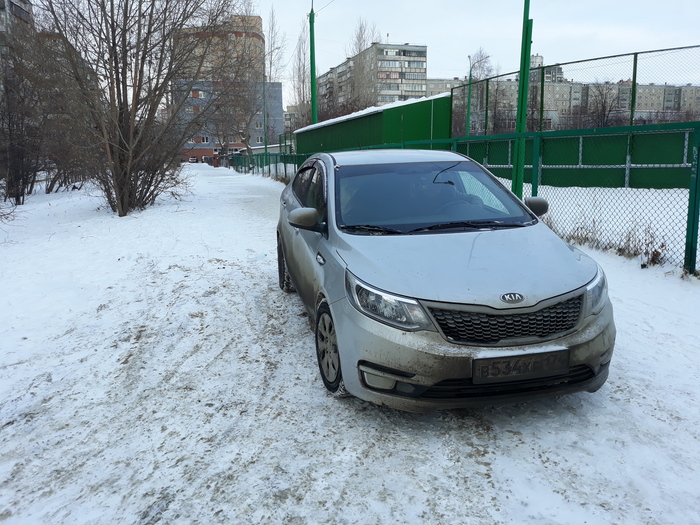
(486, 224)
(369, 229)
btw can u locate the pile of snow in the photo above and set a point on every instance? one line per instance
(152, 371)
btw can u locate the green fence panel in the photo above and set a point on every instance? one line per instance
(583, 178)
(659, 178)
(606, 150)
(560, 150)
(499, 152)
(658, 148)
(356, 133)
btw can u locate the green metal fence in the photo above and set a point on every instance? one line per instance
(423, 119)
(612, 143)
(633, 190)
(280, 166)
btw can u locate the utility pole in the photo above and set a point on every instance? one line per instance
(521, 119)
(312, 49)
(265, 116)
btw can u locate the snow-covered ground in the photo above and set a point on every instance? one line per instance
(152, 371)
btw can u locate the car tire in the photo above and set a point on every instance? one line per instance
(327, 352)
(285, 280)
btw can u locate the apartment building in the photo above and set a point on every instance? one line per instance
(241, 107)
(380, 74)
(13, 12)
(435, 86)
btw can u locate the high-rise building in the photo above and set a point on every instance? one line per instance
(380, 74)
(13, 12)
(241, 109)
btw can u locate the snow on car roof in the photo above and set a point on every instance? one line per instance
(392, 156)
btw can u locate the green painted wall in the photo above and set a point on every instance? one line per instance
(421, 120)
(354, 133)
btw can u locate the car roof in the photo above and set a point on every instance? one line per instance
(393, 156)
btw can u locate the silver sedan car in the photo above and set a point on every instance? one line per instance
(430, 285)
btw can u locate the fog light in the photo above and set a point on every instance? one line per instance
(378, 382)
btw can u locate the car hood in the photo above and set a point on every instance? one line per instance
(469, 267)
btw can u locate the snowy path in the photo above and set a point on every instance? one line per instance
(152, 371)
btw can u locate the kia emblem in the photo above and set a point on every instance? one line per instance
(512, 298)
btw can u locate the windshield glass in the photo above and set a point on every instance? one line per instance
(423, 196)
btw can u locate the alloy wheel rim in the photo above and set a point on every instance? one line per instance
(328, 348)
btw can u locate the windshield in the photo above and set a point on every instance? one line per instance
(422, 197)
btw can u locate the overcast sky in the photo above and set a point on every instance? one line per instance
(452, 30)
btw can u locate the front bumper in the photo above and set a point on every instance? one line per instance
(421, 371)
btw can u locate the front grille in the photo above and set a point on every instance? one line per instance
(465, 389)
(469, 327)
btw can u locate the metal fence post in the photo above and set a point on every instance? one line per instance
(486, 110)
(691, 238)
(633, 98)
(536, 163)
(542, 77)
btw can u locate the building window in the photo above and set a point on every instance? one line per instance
(205, 140)
(259, 140)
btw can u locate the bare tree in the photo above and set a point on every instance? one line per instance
(71, 153)
(363, 81)
(480, 69)
(364, 35)
(301, 82)
(276, 43)
(481, 66)
(501, 110)
(603, 103)
(354, 86)
(238, 89)
(134, 62)
(21, 117)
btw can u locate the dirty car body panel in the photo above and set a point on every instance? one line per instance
(432, 286)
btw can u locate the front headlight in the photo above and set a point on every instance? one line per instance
(399, 312)
(597, 292)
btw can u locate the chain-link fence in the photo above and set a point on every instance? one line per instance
(611, 143)
(280, 166)
(651, 87)
(630, 189)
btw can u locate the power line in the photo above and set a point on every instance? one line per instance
(329, 3)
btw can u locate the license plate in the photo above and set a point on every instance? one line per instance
(517, 368)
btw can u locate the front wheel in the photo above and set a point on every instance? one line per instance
(327, 352)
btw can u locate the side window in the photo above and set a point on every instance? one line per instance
(301, 183)
(316, 197)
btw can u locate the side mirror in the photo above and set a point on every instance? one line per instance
(307, 219)
(538, 205)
